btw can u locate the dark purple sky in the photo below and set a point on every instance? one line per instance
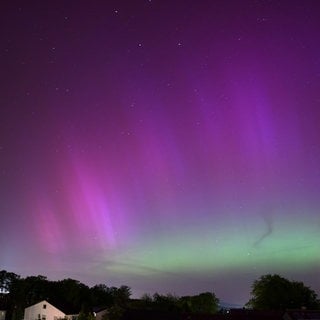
(172, 146)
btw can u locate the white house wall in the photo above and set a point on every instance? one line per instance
(2, 314)
(43, 311)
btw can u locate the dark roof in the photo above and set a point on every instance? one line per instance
(99, 309)
(303, 314)
(66, 308)
(203, 316)
(248, 314)
(132, 314)
(136, 314)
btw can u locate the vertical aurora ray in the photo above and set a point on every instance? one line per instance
(169, 149)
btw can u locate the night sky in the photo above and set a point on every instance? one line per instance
(170, 146)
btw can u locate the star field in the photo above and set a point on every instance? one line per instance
(170, 146)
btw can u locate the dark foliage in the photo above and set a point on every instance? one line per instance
(69, 295)
(277, 293)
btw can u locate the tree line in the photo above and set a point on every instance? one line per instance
(269, 292)
(67, 294)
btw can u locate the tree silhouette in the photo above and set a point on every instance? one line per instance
(277, 293)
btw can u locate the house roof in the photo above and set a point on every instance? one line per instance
(99, 309)
(65, 307)
(248, 314)
(138, 314)
(303, 314)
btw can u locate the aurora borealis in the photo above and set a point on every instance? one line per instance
(171, 146)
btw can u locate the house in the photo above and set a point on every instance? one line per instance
(301, 314)
(44, 310)
(249, 314)
(100, 312)
(3, 305)
(136, 314)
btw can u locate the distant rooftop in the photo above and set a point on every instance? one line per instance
(301, 314)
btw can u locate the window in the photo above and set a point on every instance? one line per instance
(44, 306)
